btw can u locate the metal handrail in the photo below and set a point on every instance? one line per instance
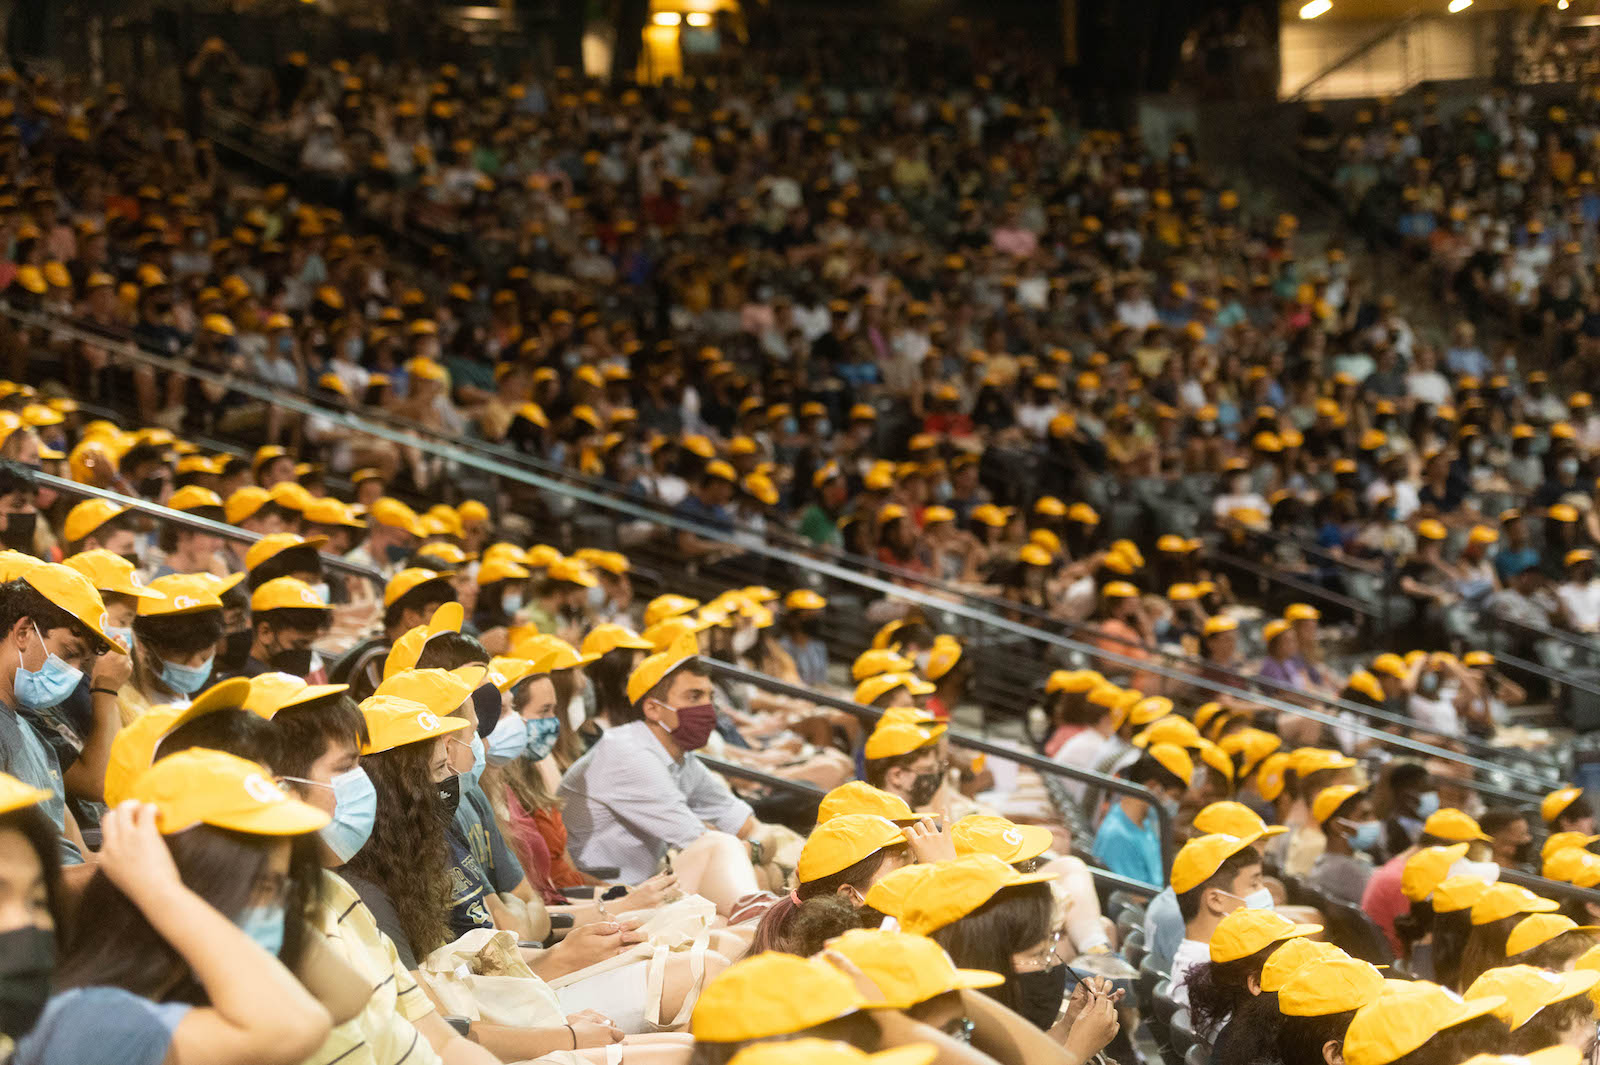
(756, 776)
(1549, 888)
(192, 521)
(822, 566)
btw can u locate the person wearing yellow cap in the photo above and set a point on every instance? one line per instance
(30, 870)
(1316, 1003)
(1212, 876)
(173, 858)
(1543, 1008)
(902, 758)
(99, 523)
(287, 616)
(1345, 816)
(393, 532)
(1128, 841)
(1421, 1023)
(1223, 989)
(1567, 810)
(772, 998)
(410, 599)
(800, 635)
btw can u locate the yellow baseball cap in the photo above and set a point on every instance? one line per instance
(876, 660)
(1245, 931)
(1148, 709)
(823, 1052)
(275, 544)
(133, 748)
(1006, 840)
(199, 786)
(501, 569)
(1392, 664)
(1573, 865)
(1404, 1017)
(942, 656)
(1328, 985)
(1453, 825)
(889, 894)
(441, 691)
(842, 842)
(1077, 681)
(1119, 590)
(110, 573)
(907, 969)
(1330, 799)
(663, 634)
(556, 653)
(86, 517)
(1219, 623)
(184, 593)
(892, 739)
(69, 590)
(1541, 928)
(804, 599)
(408, 580)
(1366, 684)
(1269, 775)
(273, 692)
(1174, 730)
(957, 887)
(667, 606)
(1525, 990)
(193, 497)
(1301, 612)
(407, 650)
(1503, 900)
(1175, 760)
(1426, 868)
(244, 502)
(1458, 892)
(876, 687)
(1553, 804)
(286, 593)
(771, 994)
(1200, 858)
(1233, 819)
(603, 639)
(1307, 760)
(1287, 959)
(647, 674)
(859, 797)
(389, 511)
(394, 722)
(15, 795)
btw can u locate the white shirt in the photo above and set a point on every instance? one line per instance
(1190, 952)
(1582, 602)
(1082, 751)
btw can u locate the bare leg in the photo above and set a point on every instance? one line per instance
(678, 982)
(717, 867)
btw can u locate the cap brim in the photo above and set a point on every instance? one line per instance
(312, 693)
(291, 818)
(23, 798)
(976, 980)
(1273, 830)
(1474, 1007)
(1019, 879)
(138, 591)
(913, 1054)
(1035, 841)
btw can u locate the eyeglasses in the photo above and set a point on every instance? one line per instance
(1045, 958)
(960, 1029)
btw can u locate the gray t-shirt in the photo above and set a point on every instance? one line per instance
(1342, 876)
(95, 1025)
(28, 758)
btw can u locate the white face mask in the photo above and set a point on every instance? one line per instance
(1488, 872)
(577, 713)
(744, 639)
(1259, 899)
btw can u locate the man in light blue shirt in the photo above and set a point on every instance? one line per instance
(1129, 840)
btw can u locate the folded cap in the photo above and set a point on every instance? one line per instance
(842, 842)
(1525, 990)
(1453, 825)
(1458, 892)
(394, 722)
(771, 994)
(1233, 819)
(892, 739)
(1328, 985)
(1290, 956)
(874, 688)
(1404, 1017)
(1245, 931)
(274, 692)
(1426, 868)
(441, 691)
(1541, 928)
(83, 519)
(1329, 800)
(822, 1052)
(956, 887)
(1555, 803)
(286, 593)
(199, 786)
(1010, 842)
(1199, 859)
(603, 639)
(1504, 900)
(907, 969)
(110, 573)
(859, 797)
(407, 650)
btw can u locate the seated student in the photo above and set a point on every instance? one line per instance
(393, 531)
(640, 791)
(1343, 813)
(1240, 944)
(30, 875)
(905, 759)
(1251, 1030)
(1424, 871)
(189, 550)
(1129, 838)
(52, 617)
(409, 599)
(1212, 876)
(1163, 922)
(287, 616)
(1498, 910)
(775, 997)
(1421, 1024)
(1023, 847)
(182, 960)
(1566, 810)
(1066, 709)
(1103, 714)
(1383, 899)
(1452, 924)
(1316, 1004)
(1542, 1008)
(174, 643)
(286, 555)
(100, 524)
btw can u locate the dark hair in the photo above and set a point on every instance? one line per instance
(858, 1029)
(878, 768)
(42, 835)
(407, 852)
(1485, 949)
(19, 599)
(171, 533)
(425, 598)
(305, 731)
(1014, 919)
(179, 634)
(119, 948)
(1223, 878)
(1415, 923)
(1218, 988)
(490, 609)
(777, 930)
(1500, 817)
(1450, 933)
(1458, 1042)
(286, 563)
(1250, 1032)
(451, 650)
(1555, 952)
(236, 731)
(806, 928)
(609, 676)
(100, 532)
(1544, 1028)
(569, 745)
(1147, 771)
(296, 619)
(1301, 1039)
(1576, 810)
(659, 690)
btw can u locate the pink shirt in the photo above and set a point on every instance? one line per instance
(1384, 901)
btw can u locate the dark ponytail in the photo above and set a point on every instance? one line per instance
(1218, 989)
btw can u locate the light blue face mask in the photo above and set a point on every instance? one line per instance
(1363, 835)
(542, 735)
(1427, 804)
(355, 811)
(50, 684)
(479, 760)
(264, 924)
(122, 636)
(507, 740)
(511, 602)
(186, 680)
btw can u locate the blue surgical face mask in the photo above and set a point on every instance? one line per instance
(355, 811)
(507, 740)
(1427, 804)
(479, 760)
(595, 597)
(122, 636)
(511, 602)
(1364, 835)
(264, 924)
(322, 591)
(542, 735)
(47, 686)
(285, 344)
(186, 680)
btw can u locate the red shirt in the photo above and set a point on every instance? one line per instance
(1383, 900)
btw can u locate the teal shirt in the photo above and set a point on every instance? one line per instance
(1128, 849)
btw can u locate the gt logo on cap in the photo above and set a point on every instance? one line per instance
(308, 596)
(261, 789)
(184, 602)
(1012, 836)
(427, 721)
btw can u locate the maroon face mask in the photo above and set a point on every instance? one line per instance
(695, 724)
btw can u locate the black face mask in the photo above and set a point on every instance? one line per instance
(292, 660)
(924, 787)
(1523, 855)
(449, 795)
(132, 559)
(1041, 993)
(150, 487)
(27, 958)
(812, 627)
(235, 652)
(18, 533)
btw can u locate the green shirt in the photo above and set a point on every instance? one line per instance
(818, 527)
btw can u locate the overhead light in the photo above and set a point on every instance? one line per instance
(1457, 6)
(1561, 5)
(672, 18)
(1315, 8)
(700, 19)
